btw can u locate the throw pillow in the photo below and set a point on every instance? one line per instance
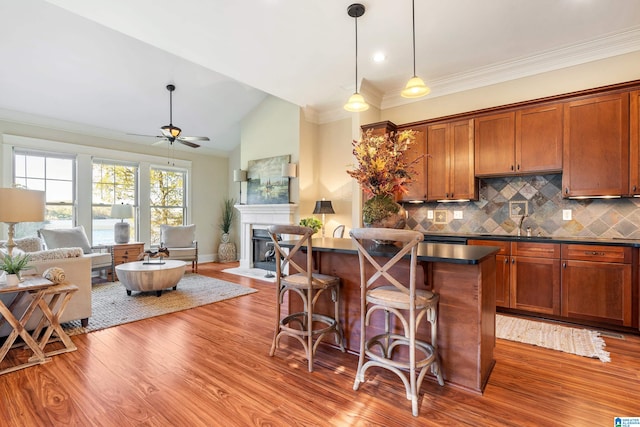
(178, 236)
(66, 238)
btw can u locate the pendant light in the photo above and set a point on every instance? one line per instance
(415, 87)
(356, 102)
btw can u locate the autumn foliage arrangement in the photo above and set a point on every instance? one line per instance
(383, 169)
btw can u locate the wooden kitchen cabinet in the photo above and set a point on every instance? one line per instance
(417, 189)
(597, 283)
(535, 277)
(539, 139)
(494, 144)
(450, 162)
(596, 146)
(634, 143)
(502, 268)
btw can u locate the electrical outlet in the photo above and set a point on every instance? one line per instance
(566, 214)
(429, 214)
(457, 214)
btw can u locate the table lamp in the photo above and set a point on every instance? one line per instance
(121, 229)
(323, 207)
(20, 205)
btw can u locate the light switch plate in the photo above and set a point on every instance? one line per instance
(457, 214)
(566, 214)
(429, 214)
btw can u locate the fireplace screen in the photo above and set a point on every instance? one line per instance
(263, 250)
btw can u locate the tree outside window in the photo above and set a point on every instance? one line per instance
(112, 183)
(168, 201)
(55, 175)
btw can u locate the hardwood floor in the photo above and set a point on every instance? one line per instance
(209, 366)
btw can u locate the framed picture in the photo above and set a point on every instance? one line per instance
(265, 183)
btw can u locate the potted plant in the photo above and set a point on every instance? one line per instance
(383, 171)
(12, 265)
(311, 222)
(227, 249)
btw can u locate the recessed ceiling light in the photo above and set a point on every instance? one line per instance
(379, 57)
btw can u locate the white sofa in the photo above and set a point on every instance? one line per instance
(77, 268)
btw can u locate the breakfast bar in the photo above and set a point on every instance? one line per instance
(464, 276)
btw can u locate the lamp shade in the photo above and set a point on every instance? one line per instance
(289, 170)
(323, 207)
(21, 205)
(121, 211)
(239, 175)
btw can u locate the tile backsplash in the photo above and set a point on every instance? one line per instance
(503, 201)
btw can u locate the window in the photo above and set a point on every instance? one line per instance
(55, 175)
(167, 199)
(112, 182)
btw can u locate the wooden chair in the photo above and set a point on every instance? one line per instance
(306, 326)
(396, 351)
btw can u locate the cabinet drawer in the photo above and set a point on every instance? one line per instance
(504, 246)
(536, 249)
(618, 254)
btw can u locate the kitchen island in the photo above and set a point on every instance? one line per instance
(464, 276)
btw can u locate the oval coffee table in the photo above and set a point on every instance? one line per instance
(144, 277)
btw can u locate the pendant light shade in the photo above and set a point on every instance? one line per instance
(356, 102)
(415, 87)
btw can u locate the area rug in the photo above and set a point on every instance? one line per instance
(583, 342)
(112, 306)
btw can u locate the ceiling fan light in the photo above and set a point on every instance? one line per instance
(356, 103)
(171, 131)
(415, 88)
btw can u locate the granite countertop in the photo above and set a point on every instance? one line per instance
(430, 252)
(461, 238)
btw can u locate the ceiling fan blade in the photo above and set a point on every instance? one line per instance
(148, 136)
(160, 141)
(194, 138)
(187, 143)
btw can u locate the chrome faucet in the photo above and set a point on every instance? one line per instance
(520, 225)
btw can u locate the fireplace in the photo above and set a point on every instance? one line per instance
(259, 217)
(264, 256)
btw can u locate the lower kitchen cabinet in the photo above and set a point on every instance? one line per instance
(597, 283)
(502, 268)
(535, 277)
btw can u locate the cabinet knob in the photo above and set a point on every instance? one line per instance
(566, 190)
(634, 188)
(511, 167)
(513, 260)
(518, 167)
(564, 265)
(506, 260)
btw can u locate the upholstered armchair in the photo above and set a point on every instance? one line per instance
(181, 242)
(77, 238)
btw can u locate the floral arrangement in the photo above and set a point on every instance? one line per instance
(383, 167)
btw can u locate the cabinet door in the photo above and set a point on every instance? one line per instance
(437, 162)
(539, 139)
(463, 182)
(597, 291)
(634, 142)
(417, 189)
(595, 161)
(495, 144)
(535, 284)
(502, 269)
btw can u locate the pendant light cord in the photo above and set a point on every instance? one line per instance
(413, 14)
(356, 19)
(171, 103)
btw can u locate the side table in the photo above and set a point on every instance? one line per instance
(124, 252)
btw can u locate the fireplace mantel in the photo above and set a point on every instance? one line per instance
(260, 216)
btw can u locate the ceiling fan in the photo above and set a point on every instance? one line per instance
(172, 133)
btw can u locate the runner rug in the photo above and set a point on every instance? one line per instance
(583, 342)
(112, 306)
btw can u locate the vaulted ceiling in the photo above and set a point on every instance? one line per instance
(101, 67)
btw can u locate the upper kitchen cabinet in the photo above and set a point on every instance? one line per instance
(596, 146)
(525, 141)
(634, 143)
(417, 189)
(494, 144)
(539, 139)
(380, 128)
(450, 161)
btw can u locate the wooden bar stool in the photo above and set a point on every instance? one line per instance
(306, 326)
(399, 352)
